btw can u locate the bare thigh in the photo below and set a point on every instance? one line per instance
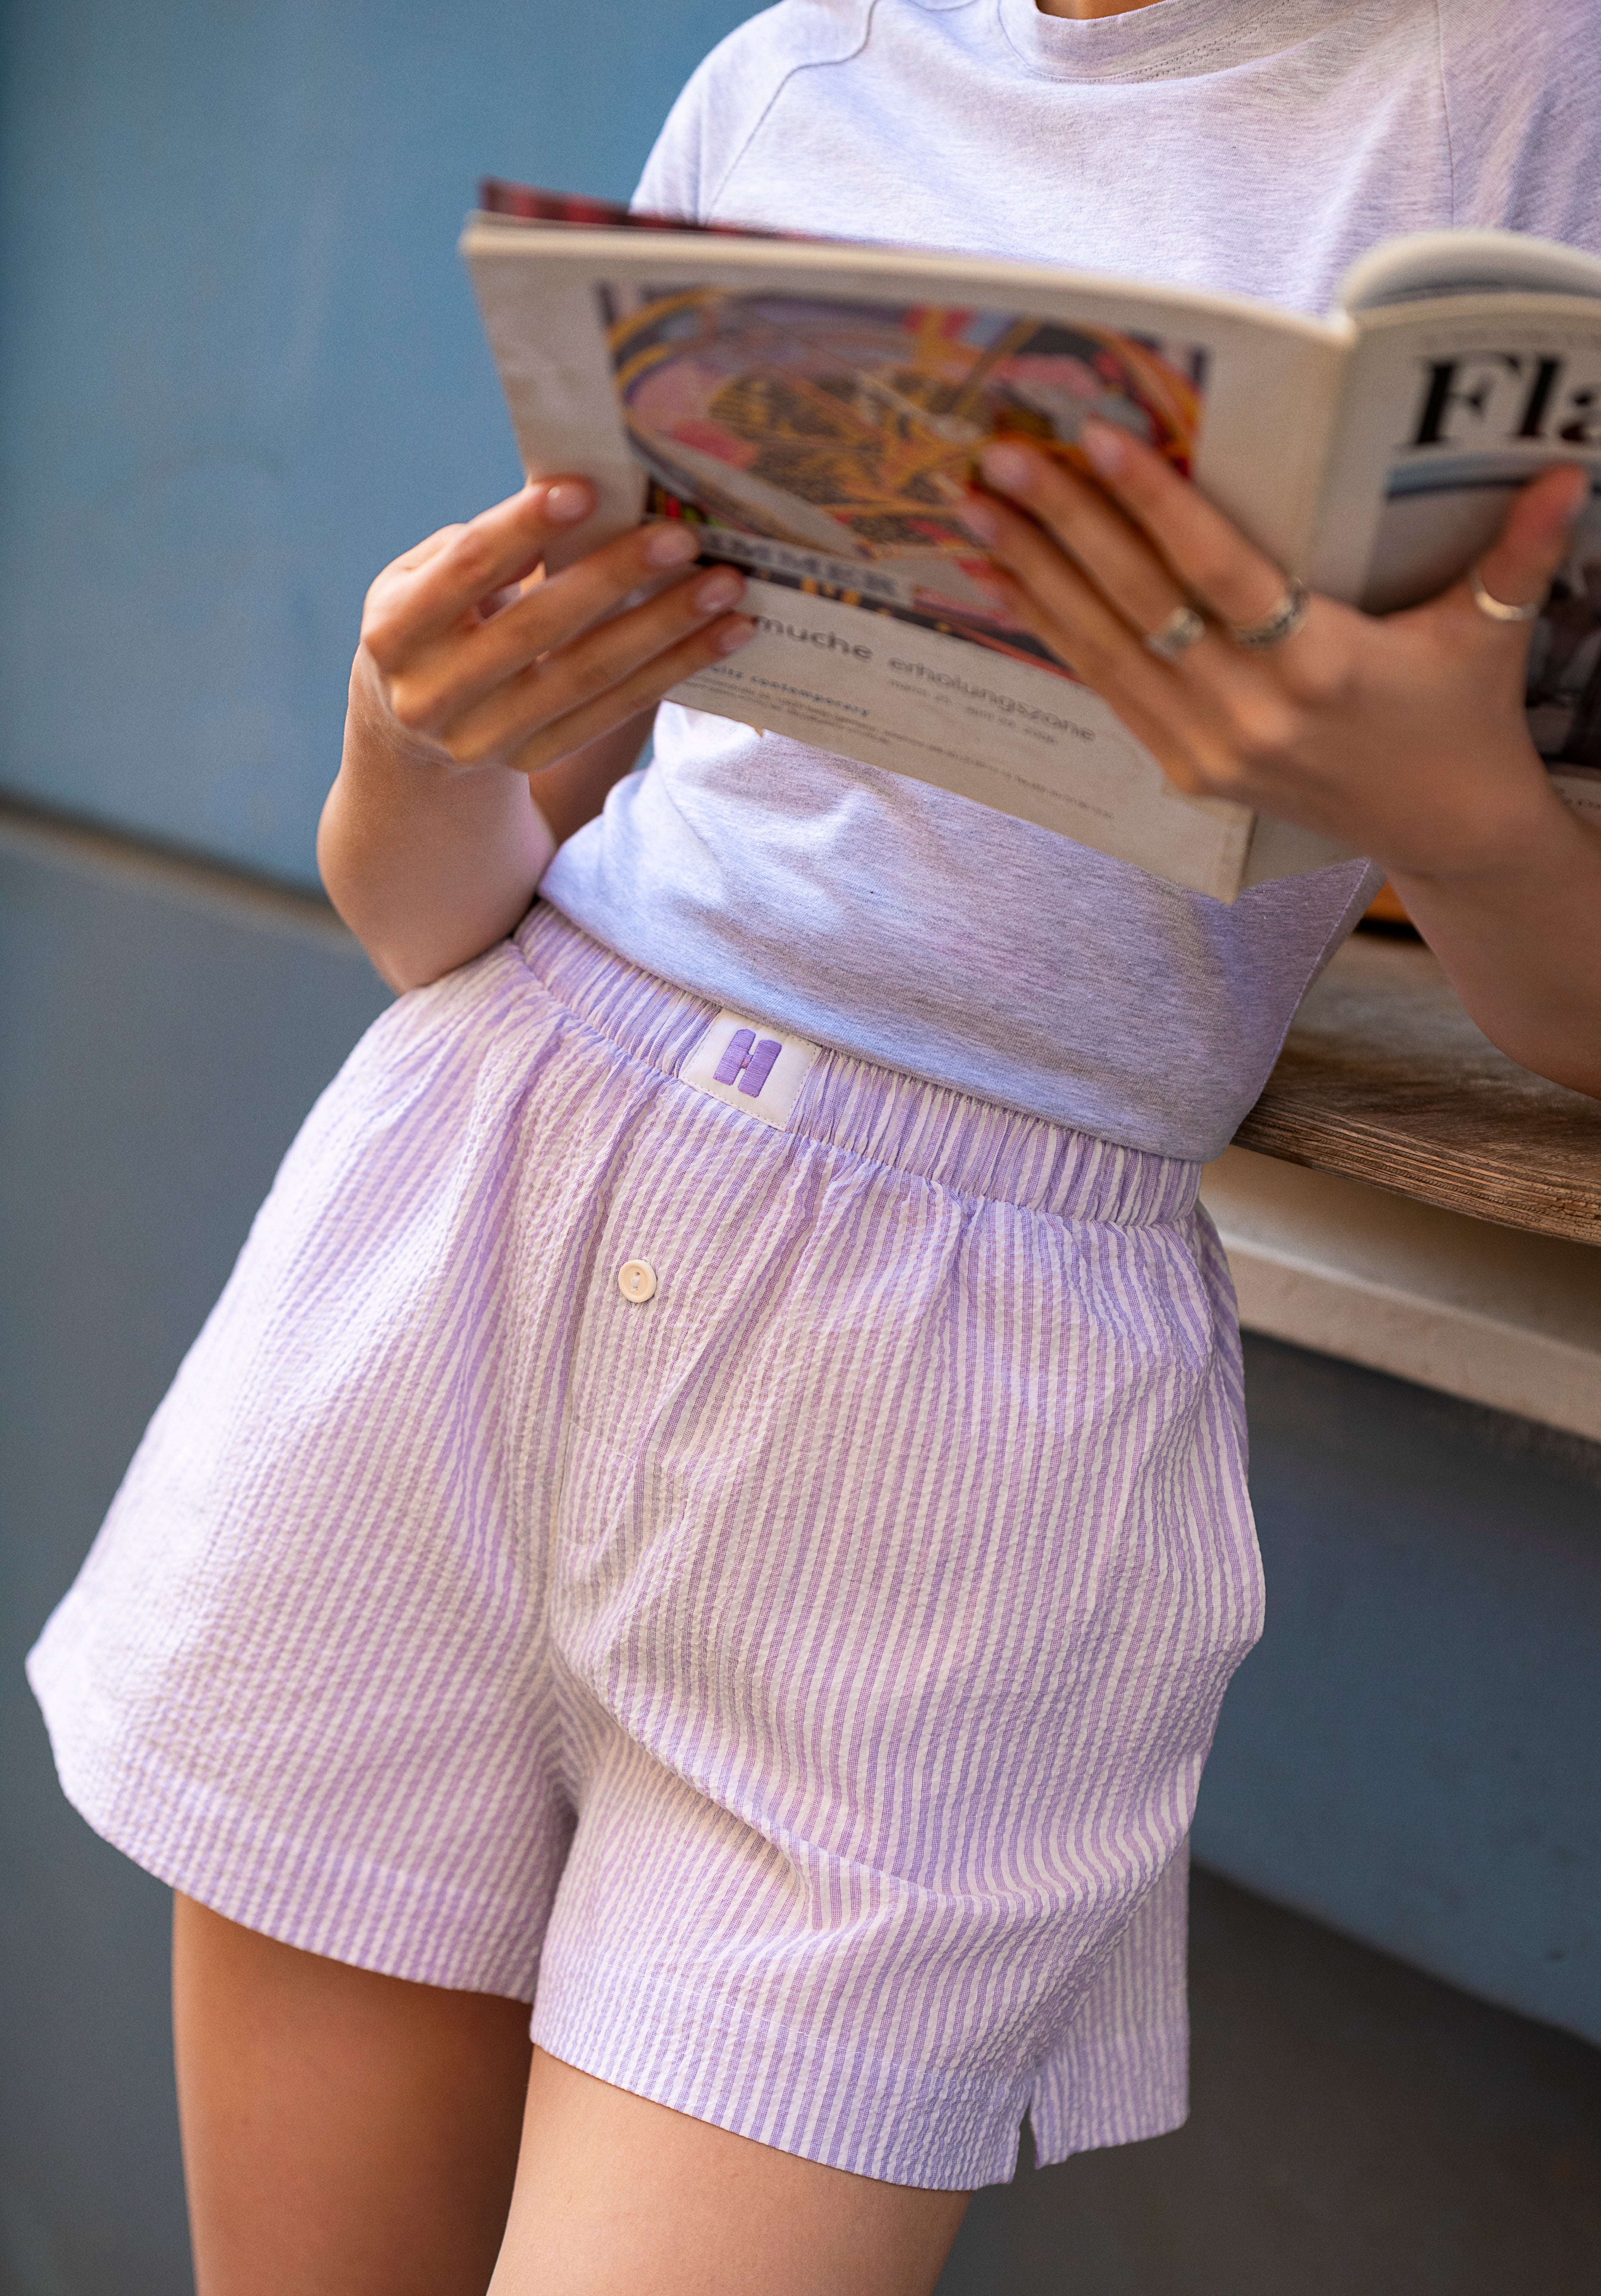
(350, 2134)
(344, 2134)
(620, 2197)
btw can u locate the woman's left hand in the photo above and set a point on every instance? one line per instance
(1402, 738)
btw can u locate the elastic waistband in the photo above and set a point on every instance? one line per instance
(972, 1147)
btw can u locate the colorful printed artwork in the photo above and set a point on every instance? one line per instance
(829, 445)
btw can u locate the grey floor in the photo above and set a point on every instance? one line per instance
(1357, 2129)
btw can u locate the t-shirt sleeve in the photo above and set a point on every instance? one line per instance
(674, 172)
(728, 96)
(711, 122)
(1522, 89)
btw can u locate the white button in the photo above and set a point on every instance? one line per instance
(636, 1280)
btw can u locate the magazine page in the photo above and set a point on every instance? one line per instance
(1461, 261)
(1450, 406)
(815, 412)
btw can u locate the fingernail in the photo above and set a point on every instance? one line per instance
(736, 635)
(1577, 507)
(1105, 449)
(567, 501)
(671, 546)
(981, 518)
(717, 590)
(1010, 468)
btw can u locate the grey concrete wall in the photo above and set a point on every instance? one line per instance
(1412, 1752)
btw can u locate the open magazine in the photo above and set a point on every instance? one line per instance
(815, 409)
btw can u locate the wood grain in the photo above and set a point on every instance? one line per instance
(1385, 1078)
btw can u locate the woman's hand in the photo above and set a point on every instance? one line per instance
(474, 662)
(474, 674)
(1404, 738)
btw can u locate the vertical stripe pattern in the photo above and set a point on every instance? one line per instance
(797, 1683)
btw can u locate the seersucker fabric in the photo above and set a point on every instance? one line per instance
(795, 1682)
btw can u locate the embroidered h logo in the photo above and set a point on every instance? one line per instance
(740, 1063)
(747, 1063)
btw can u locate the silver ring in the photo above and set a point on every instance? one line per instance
(1282, 623)
(1181, 631)
(1496, 609)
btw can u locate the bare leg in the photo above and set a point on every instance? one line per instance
(619, 2197)
(344, 2134)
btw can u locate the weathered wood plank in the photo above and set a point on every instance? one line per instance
(1385, 1078)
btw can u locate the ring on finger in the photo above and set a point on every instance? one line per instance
(1181, 630)
(1496, 609)
(1274, 629)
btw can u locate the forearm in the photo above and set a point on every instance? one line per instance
(430, 866)
(1521, 939)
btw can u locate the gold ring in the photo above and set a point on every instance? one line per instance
(1496, 609)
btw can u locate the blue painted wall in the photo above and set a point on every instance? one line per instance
(239, 368)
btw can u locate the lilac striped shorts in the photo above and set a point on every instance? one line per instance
(801, 1674)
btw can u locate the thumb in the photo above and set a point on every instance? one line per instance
(1519, 566)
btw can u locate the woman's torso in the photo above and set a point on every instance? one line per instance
(1255, 148)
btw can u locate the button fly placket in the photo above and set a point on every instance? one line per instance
(636, 1281)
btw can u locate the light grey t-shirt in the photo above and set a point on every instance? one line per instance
(1257, 145)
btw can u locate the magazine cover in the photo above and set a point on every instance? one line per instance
(1466, 417)
(823, 438)
(828, 446)
(816, 413)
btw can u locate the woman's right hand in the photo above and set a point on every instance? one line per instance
(474, 674)
(473, 661)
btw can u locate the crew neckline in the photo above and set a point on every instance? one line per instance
(1169, 40)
